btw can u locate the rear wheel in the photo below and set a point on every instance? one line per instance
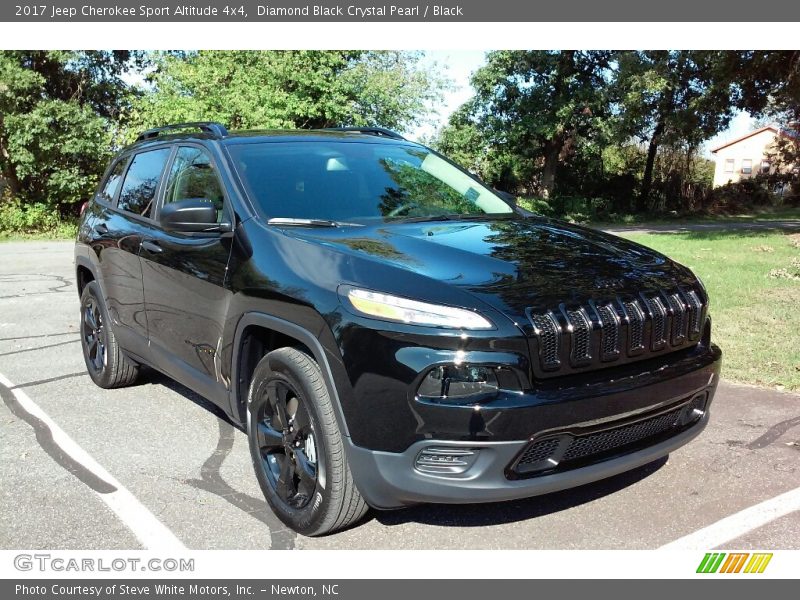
(106, 363)
(297, 448)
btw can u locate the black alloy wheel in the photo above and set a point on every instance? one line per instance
(285, 437)
(106, 362)
(296, 445)
(94, 335)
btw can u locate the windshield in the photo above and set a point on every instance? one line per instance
(347, 181)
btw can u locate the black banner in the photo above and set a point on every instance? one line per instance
(397, 589)
(399, 10)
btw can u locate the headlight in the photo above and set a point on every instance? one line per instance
(458, 381)
(404, 310)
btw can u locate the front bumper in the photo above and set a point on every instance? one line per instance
(393, 479)
(388, 480)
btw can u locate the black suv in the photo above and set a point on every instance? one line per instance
(387, 328)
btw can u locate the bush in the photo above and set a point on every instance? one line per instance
(37, 219)
(739, 197)
(537, 205)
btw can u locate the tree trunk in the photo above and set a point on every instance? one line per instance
(7, 170)
(8, 173)
(647, 179)
(554, 146)
(551, 153)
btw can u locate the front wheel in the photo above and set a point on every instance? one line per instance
(297, 448)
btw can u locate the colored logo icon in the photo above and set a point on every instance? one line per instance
(735, 562)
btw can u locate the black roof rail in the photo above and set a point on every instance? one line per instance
(369, 131)
(216, 130)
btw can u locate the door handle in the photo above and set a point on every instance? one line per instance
(151, 246)
(101, 228)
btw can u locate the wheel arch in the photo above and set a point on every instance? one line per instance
(259, 333)
(84, 273)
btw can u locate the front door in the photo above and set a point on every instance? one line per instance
(186, 296)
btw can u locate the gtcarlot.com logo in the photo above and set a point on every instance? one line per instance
(734, 562)
(47, 562)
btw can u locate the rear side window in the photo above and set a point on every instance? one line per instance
(141, 182)
(113, 181)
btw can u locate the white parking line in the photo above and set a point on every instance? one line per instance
(151, 532)
(739, 523)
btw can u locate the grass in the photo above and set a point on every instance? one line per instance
(63, 231)
(783, 213)
(753, 280)
(577, 210)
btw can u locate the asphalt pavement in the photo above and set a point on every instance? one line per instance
(167, 456)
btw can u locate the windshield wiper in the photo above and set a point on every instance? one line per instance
(293, 222)
(454, 217)
(423, 218)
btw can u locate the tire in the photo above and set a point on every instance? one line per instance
(297, 448)
(105, 361)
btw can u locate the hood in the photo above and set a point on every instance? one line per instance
(512, 264)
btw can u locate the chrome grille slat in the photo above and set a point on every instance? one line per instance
(658, 322)
(572, 337)
(636, 320)
(695, 311)
(609, 322)
(678, 318)
(548, 332)
(581, 334)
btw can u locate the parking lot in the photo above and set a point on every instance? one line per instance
(155, 465)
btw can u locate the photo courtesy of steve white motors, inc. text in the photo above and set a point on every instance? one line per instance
(195, 590)
(45, 11)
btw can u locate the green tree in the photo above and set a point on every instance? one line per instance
(536, 104)
(767, 82)
(769, 88)
(290, 89)
(672, 98)
(57, 114)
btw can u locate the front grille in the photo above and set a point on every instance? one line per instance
(574, 337)
(566, 450)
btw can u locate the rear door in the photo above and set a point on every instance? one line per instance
(123, 218)
(185, 287)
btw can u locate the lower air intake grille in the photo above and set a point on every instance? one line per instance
(563, 451)
(586, 445)
(539, 451)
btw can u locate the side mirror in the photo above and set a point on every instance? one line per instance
(194, 215)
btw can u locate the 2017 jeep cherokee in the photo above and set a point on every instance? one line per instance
(388, 329)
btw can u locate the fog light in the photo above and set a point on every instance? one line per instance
(445, 460)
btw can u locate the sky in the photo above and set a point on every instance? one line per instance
(459, 65)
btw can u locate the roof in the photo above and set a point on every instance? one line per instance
(273, 135)
(306, 135)
(774, 128)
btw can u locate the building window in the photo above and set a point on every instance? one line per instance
(729, 165)
(747, 166)
(765, 166)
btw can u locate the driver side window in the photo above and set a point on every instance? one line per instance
(193, 176)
